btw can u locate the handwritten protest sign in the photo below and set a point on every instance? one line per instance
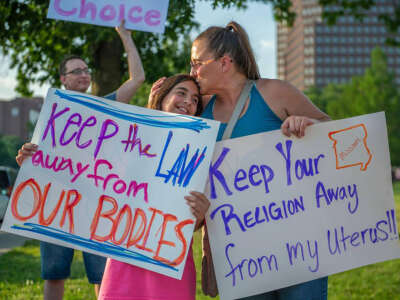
(143, 15)
(287, 210)
(110, 179)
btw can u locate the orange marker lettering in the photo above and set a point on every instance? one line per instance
(107, 215)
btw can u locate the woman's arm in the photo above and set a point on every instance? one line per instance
(136, 73)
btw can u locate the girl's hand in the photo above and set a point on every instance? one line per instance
(199, 205)
(27, 150)
(296, 125)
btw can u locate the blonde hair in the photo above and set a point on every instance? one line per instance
(233, 40)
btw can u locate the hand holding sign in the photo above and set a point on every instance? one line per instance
(316, 216)
(296, 125)
(98, 180)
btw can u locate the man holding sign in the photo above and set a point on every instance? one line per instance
(75, 75)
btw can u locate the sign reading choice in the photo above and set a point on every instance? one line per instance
(110, 179)
(287, 210)
(143, 15)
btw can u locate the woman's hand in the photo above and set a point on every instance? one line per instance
(199, 205)
(154, 89)
(27, 150)
(296, 125)
(124, 33)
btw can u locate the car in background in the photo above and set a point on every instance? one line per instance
(7, 179)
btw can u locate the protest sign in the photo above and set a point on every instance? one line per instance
(142, 15)
(288, 210)
(110, 179)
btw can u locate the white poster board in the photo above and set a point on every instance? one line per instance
(287, 210)
(142, 15)
(110, 179)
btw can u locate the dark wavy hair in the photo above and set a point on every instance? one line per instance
(167, 86)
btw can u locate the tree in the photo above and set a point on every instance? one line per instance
(36, 44)
(322, 97)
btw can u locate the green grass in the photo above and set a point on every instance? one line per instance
(20, 275)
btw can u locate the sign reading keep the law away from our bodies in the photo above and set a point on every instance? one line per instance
(287, 210)
(143, 15)
(110, 179)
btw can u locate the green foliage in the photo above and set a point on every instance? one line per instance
(322, 97)
(374, 91)
(9, 146)
(36, 45)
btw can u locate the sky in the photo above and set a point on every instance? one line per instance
(257, 20)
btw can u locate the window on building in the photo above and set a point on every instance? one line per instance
(33, 116)
(15, 111)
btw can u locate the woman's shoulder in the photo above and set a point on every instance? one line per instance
(276, 89)
(266, 85)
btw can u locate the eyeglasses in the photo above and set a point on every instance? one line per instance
(79, 71)
(194, 64)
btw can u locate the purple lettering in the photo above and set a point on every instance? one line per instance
(213, 171)
(104, 135)
(133, 19)
(287, 158)
(91, 121)
(108, 13)
(152, 17)
(61, 11)
(69, 122)
(51, 123)
(79, 170)
(240, 176)
(96, 165)
(86, 7)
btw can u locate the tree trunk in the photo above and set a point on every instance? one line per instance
(108, 72)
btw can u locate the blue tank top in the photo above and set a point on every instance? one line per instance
(258, 117)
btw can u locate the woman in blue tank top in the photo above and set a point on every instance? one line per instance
(222, 61)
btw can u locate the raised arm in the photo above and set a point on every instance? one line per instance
(136, 73)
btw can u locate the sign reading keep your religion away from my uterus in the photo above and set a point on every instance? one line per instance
(110, 179)
(287, 210)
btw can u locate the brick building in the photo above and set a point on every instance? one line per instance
(313, 53)
(15, 115)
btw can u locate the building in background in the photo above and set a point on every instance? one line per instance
(18, 116)
(312, 53)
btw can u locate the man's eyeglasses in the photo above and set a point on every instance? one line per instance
(79, 71)
(197, 63)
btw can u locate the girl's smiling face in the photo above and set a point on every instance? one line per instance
(182, 99)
